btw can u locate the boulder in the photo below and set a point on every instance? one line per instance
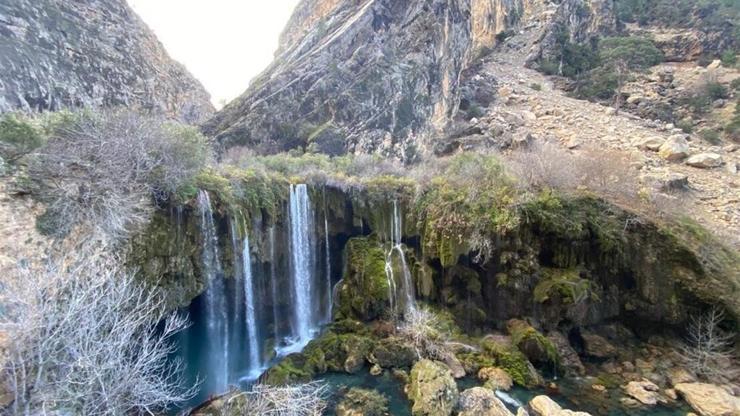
(432, 389)
(643, 391)
(705, 160)
(495, 378)
(649, 143)
(393, 352)
(709, 399)
(679, 375)
(674, 148)
(545, 406)
(569, 359)
(479, 401)
(362, 402)
(597, 346)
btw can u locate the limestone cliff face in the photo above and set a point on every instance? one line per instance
(58, 54)
(378, 76)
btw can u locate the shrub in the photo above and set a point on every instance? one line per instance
(535, 86)
(735, 84)
(84, 337)
(715, 90)
(103, 170)
(729, 58)
(306, 399)
(686, 125)
(18, 137)
(711, 136)
(710, 349)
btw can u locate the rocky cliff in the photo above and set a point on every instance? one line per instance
(58, 54)
(377, 76)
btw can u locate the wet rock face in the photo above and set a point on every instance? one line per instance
(65, 54)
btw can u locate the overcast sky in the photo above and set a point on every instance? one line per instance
(224, 43)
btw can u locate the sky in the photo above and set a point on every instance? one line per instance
(224, 43)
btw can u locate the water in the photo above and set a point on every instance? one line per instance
(255, 365)
(301, 254)
(398, 404)
(407, 301)
(215, 295)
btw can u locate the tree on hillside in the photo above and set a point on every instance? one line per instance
(623, 55)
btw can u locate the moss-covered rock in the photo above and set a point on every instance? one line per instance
(432, 389)
(292, 369)
(362, 402)
(364, 292)
(535, 346)
(514, 362)
(393, 352)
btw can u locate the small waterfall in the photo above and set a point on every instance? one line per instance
(409, 299)
(255, 364)
(506, 398)
(216, 309)
(301, 264)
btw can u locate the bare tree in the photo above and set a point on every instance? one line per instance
(307, 399)
(423, 329)
(710, 349)
(104, 169)
(84, 338)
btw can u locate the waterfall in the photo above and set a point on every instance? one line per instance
(255, 364)
(409, 299)
(274, 290)
(506, 398)
(329, 298)
(215, 297)
(301, 264)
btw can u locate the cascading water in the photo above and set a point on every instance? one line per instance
(255, 365)
(300, 265)
(215, 297)
(406, 286)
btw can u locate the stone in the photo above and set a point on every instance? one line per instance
(392, 352)
(495, 378)
(455, 366)
(674, 148)
(678, 375)
(705, 160)
(649, 143)
(599, 388)
(362, 402)
(569, 359)
(731, 168)
(479, 401)
(709, 399)
(645, 391)
(671, 182)
(432, 389)
(376, 370)
(597, 346)
(671, 394)
(545, 406)
(715, 64)
(573, 143)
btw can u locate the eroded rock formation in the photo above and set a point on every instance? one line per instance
(58, 54)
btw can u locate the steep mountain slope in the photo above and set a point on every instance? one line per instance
(56, 54)
(376, 76)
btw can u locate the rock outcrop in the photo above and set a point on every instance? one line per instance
(432, 389)
(709, 399)
(383, 76)
(59, 54)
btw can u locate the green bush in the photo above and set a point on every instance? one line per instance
(18, 137)
(716, 91)
(729, 58)
(686, 125)
(711, 136)
(735, 84)
(535, 86)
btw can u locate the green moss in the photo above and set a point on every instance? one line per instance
(565, 283)
(290, 370)
(364, 292)
(514, 362)
(474, 361)
(525, 337)
(364, 402)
